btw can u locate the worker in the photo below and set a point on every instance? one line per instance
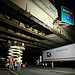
(19, 62)
(11, 62)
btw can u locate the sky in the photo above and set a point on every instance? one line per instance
(67, 3)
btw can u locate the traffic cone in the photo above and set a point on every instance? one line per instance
(52, 65)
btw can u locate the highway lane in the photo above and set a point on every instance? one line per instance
(45, 71)
(38, 70)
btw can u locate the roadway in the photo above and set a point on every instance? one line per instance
(37, 70)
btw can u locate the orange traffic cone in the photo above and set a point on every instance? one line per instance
(11, 66)
(52, 65)
(15, 63)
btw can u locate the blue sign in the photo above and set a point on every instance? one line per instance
(49, 54)
(67, 15)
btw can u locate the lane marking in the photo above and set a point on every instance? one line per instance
(12, 71)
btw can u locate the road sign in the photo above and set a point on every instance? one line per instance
(67, 15)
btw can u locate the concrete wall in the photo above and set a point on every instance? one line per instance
(20, 3)
(31, 7)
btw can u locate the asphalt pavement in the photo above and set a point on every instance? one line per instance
(38, 70)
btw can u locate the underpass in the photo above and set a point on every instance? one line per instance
(37, 34)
